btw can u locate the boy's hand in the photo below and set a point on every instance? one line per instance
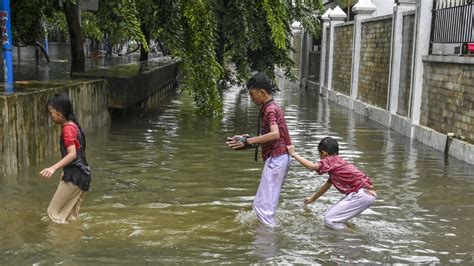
(308, 200)
(291, 149)
(236, 142)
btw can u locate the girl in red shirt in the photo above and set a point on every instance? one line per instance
(76, 175)
(347, 179)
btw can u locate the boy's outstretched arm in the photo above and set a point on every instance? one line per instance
(318, 194)
(304, 162)
(274, 134)
(240, 141)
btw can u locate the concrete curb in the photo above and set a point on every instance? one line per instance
(428, 136)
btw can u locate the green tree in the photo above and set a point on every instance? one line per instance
(207, 34)
(118, 20)
(202, 71)
(162, 22)
(27, 18)
(346, 4)
(255, 35)
(210, 34)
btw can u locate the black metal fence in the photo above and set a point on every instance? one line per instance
(453, 22)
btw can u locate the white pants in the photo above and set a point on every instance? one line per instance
(347, 208)
(268, 193)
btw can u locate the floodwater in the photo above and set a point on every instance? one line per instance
(166, 189)
(59, 69)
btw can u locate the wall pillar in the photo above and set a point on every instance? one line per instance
(303, 58)
(322, 68)
(422, 37)
(396, 52)
(308, 44)
(306, 47)
(363, 10)
(297, 44)
(337, 16)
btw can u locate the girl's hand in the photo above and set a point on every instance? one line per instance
(308, 200)
(47, 173)
(291, 150)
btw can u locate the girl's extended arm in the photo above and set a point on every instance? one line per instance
(318, 194)
(304, 162)
(70, 156)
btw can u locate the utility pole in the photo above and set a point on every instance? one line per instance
(5, 20)
(349, 10)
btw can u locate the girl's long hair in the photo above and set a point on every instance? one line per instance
(61, 103)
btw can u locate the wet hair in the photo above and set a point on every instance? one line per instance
(261, 81)
(61, 103)
(328, 145)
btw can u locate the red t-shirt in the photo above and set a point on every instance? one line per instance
(69, 133)
(343, 175)
(272, 114)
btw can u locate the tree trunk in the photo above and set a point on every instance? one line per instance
(162, 47)
(143, 52)
(95, 48)
(75, 34)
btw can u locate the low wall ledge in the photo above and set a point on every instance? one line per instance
(22, 88)
(344, 24)
(379, 18)
(451, 59)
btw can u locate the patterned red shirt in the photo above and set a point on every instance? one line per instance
(272, 114)
(343, 175)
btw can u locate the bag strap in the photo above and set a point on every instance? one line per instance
(259, 126)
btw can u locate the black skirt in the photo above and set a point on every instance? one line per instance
(77, 177)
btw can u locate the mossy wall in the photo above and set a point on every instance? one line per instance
(448, 96)
(342, 66)
(375, 62)
(27, 134)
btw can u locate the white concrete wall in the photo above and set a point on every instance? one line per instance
(384, 7)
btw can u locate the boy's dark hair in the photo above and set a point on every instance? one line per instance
(260, 81)
(328, 145)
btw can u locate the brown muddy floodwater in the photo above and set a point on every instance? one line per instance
(167, 189)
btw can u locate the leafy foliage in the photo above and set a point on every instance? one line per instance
(57, 19)
(91, 25)
(201, 68)
(27, 17)
(119, 20)
(208, 35)
(246, 28)
(169, 25)
(345, 3)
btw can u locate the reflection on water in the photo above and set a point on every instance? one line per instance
(59, 68)
(166, 188)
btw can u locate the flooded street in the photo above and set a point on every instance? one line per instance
(166, 188)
